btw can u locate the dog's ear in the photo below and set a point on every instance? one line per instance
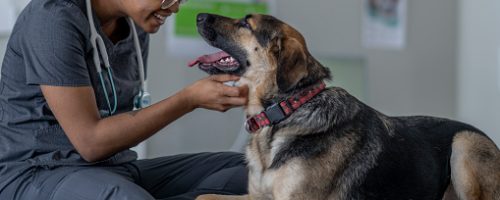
(291, 61)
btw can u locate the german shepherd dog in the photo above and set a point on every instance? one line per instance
(333, 146)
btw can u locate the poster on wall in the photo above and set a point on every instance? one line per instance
(384, 24)
(182, 36)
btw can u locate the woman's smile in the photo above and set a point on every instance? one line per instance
(160, 17)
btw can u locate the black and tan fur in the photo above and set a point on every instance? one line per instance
(334, 146)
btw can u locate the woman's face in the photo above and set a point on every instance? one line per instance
(148, 13)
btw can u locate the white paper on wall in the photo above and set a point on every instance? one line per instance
(7, 17)
(384, 24)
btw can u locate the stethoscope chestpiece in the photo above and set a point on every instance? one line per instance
(142, 100)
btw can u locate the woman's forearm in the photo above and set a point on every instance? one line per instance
(116, 133)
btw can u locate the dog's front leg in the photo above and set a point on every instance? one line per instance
(222, 197)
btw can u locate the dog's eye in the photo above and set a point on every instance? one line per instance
(243, 23)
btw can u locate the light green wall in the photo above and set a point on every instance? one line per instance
(348, 73)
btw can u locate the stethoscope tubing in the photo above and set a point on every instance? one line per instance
(99, 51)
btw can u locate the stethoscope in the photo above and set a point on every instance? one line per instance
(141, 100)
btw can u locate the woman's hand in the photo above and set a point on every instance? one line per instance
(211, 93)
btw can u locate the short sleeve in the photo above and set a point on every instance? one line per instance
(53, 47)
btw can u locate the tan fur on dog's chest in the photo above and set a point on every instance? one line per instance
(266, 182)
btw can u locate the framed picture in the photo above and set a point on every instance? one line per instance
(384, 24)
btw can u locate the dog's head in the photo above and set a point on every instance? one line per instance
(270, 55)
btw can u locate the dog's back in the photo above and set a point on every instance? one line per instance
(373, 156)
(415, 158)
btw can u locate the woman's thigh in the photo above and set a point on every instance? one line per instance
(188, 175)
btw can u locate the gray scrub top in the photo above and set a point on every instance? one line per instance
(50, 45)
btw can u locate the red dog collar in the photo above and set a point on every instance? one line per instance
(281, 110)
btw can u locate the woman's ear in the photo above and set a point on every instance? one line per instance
(292, 63)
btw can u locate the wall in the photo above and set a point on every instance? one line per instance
(416, 80)
(4, 38)
(420, 79)
(18, 5)
(479, 68)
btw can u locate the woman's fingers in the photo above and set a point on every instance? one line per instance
(230, 91)
(234, 101)
(241, 91)
(211, 93)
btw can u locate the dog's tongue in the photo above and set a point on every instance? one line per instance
(209, 58)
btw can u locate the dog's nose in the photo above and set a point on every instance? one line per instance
(204, 18)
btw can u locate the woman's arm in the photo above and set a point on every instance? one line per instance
(96, 139)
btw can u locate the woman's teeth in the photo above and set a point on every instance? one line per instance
(160, 17)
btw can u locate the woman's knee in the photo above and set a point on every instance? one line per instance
(98, 184)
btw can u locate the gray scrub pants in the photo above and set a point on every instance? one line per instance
(172, 177)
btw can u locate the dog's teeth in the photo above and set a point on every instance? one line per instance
(226, 61)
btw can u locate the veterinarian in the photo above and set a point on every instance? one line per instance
(73, 101)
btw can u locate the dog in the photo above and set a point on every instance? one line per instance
(314, 143)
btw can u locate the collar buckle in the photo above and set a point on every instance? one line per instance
(274, 113)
